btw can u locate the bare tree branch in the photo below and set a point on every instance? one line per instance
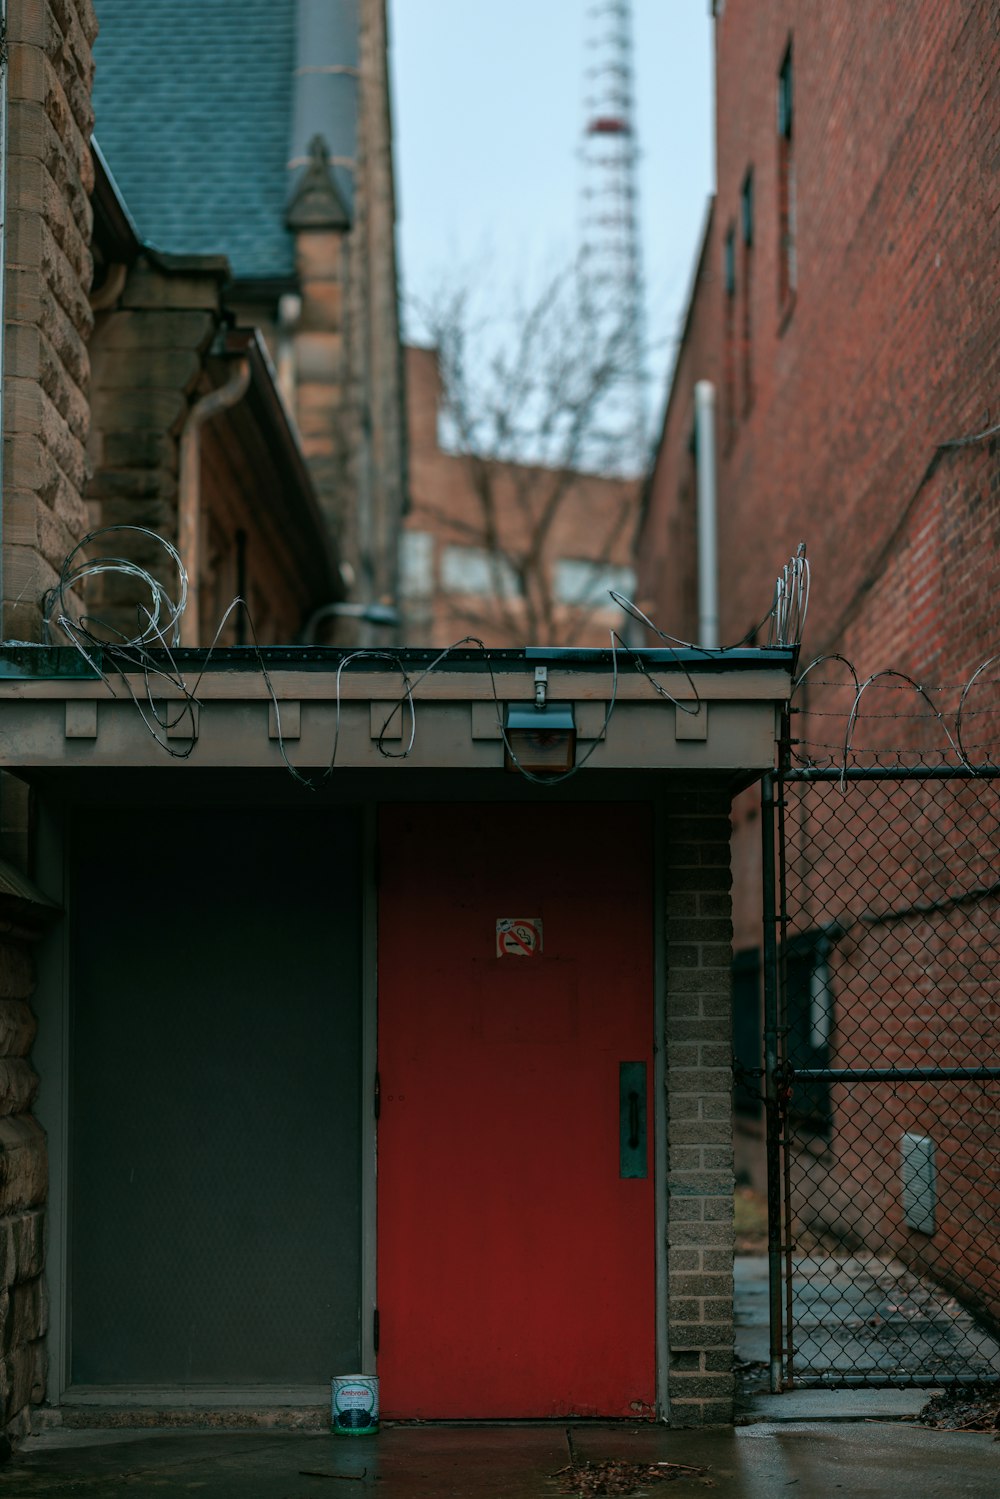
(526, 406)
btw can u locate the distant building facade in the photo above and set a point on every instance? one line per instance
(512, 553)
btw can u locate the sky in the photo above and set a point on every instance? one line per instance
(488, 99)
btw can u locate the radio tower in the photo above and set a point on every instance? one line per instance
(611, 256)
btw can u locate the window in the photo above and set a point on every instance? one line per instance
(810, 1020)
(729, 340)
(809, 1012)
(416, 564)
(475, 570)
(588, 584)
(746, 208)
(785, 96)
(786, 184)
(747, 234)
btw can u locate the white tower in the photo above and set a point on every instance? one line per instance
(611, 255)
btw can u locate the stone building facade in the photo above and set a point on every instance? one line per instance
(46, 424)
(109, 348)
(274, 150)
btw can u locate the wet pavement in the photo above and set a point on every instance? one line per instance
(863, 1460)
(860, 1442)
(863, 1315)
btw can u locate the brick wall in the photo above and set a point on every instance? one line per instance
(888, 346)
(666, 557)
(48, 316)
(699, 1106)
(838, 397)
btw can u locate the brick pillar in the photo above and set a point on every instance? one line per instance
(700, 1183)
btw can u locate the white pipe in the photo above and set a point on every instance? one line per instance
(708, 563)
(289, 312)
(189, 503)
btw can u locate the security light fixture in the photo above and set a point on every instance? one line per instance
(540, 738)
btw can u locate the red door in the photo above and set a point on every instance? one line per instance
(516, 1261)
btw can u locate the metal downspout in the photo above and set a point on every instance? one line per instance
(189, 503)
(708, 566)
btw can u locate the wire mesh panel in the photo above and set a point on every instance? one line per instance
(887, 1081)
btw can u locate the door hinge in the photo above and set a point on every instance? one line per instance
(375, 1330)
(378, 1096)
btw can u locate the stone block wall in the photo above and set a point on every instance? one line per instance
(148, 354)
(49, 319)
(46, 418)
(699, 1080)
(23, 1187)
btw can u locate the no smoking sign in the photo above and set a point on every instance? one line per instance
(519, 936)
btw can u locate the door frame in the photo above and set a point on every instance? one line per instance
(660, 1212)
(52, 1058)
(52, 1053)
(659, 1009)
(369, 1073)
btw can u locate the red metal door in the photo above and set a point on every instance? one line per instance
(516, 1263)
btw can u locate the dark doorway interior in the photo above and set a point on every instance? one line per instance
(215, 1106)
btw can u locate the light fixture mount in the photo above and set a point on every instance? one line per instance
(540, 737)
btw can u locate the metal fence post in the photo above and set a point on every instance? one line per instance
(771, 1081)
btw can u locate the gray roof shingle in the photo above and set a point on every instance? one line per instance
(193, 104)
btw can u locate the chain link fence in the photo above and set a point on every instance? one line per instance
(883, 1075)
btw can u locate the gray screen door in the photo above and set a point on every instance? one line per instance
(215, 1105)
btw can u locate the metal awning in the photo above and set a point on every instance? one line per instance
(684, 710)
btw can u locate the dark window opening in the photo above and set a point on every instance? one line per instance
(787, 268)
(809, 1016)
(748, 1034)
(747, 225)
(785, 95)
(729, 341)
(746, 208)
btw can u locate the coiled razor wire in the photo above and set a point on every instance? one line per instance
(952, 725)
(158, 626)
(108, 650)
(159, 623)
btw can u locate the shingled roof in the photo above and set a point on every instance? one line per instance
(193, 102)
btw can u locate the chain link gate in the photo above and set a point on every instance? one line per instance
(882, 1075)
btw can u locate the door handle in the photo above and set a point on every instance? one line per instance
(632, 1120)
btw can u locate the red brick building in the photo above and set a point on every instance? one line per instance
(507, 551)
(845, 309)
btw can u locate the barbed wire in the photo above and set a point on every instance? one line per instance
(168, 704)
(952, 723)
